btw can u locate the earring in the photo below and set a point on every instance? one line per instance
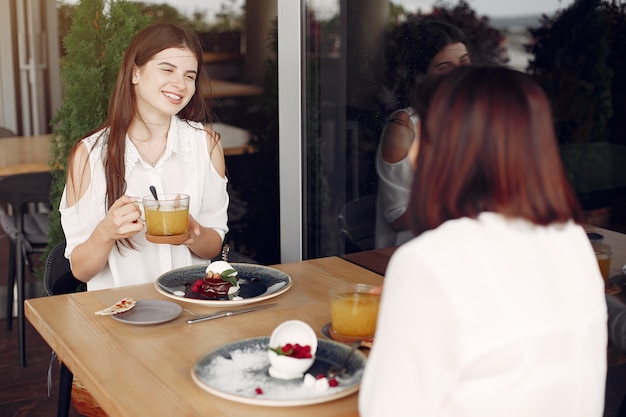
(135, 81)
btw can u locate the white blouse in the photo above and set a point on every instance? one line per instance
(490, 317)
(394, 192)
(185, 168)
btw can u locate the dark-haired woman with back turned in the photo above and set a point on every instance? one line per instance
(497, 306)
(153, 135)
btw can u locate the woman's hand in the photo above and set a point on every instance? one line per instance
(122, 219)
(194, 230)
(204, 242)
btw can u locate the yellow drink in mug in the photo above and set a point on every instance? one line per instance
(167, 216)
(354, 310)
(603, 256)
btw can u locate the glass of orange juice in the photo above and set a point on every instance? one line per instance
(167, 219)
(353, 311)
(603, 255)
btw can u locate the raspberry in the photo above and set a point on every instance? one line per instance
(258, 391)
(196, 286)
(333, 382)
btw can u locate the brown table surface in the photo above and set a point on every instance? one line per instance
(228, 89)
(146, 370)
(23, 154)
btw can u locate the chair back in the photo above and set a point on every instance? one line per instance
(20, 189)
(356, 223)
(233, 256)
(58, 277)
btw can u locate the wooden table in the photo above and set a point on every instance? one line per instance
(236, 141)
(220, 57)
(227, 89)
(146, 370)
(23, 154)
(375, 260)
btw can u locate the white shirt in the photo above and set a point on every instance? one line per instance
(490, 318)
(394, 192)
(185, 168)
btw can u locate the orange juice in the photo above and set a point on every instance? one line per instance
(604, 262)
(167, 222)
(603, 256)
(354, 314)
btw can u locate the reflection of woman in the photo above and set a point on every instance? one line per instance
(498, 303)
(152, 136)
(435, 48)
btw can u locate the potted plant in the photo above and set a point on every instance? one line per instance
(99, 32)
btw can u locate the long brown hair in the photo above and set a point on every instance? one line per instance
(122, 105)
(489, 145)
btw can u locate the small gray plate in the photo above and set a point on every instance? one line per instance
(148, 312)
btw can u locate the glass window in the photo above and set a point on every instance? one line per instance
(343, 91)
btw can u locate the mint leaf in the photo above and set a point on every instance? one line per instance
(230, 275)
(279, 351)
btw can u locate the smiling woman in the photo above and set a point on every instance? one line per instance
(153, 136)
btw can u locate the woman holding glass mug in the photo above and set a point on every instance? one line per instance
(153, 135)
(497, 306)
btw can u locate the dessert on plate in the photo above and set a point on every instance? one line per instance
(220, 281)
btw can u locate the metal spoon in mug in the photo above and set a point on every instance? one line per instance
(154, 192)
(337, 370)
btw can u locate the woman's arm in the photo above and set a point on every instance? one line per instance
(206, 242)
(399, 141)
(121, 221)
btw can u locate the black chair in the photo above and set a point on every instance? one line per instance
(26, 226)
(356, 223)
(231, 255)
(58, 279)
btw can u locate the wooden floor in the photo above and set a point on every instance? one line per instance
(24, 391)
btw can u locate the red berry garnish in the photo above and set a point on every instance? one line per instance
(333, 382)
(258, 391)
(296, 351)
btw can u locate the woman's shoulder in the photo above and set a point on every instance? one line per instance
(96, 140)
(406, 114)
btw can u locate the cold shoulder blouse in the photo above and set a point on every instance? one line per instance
(185, 168)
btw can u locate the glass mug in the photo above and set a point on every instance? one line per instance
(353, 311)
(167, 219)
(603, 256)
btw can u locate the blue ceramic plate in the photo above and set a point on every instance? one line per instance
(257, 283)
(236, 371)
(148, 312)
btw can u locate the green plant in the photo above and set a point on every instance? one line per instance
(570, 52)
(578, 58)
(99, 32)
